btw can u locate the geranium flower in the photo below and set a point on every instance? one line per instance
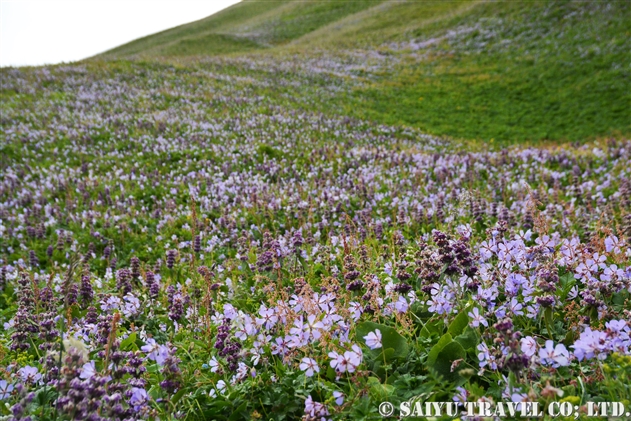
(309, 366)
(373, 339)
(555, 356)
(476, 318)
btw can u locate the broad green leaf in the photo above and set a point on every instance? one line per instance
(459, 324)
(451, 352)
(390, 338)
(238, 412)
(468, 339)
(432, 327)
(154, 392)
(433, 353)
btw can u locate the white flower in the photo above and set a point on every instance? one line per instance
(221, 386)
(373, 339)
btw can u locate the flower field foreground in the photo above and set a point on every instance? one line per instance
(190, 243)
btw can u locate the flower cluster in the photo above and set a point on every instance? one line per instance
(174, 240)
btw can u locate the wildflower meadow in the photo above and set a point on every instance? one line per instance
(217, 239)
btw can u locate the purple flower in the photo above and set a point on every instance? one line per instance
(612, 243)
(138, 397)
(338, 362)
(157, 352)
(387, 269)
(353, 358)
(309, 366)
(88, 370)
(555, 356)
(5, 389)
(111, 303)
(315, 410)
(280, 347)
(477, 319)
(356, 310)
(528, 346)
(590, 344)
(485, 357)
(339, 397)
(268, 317)
(132, 305)
(401, 305)
(373, 339)
(29, 374)
(462, 395)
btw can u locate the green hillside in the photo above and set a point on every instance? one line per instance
(503, 71)
(246, 26)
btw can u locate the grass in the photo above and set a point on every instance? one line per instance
(552, 70)
(531, 101)
(199, 32)
(509, 72)
(210, 44)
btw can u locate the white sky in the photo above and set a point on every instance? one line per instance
(35, 32)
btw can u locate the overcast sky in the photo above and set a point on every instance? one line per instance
(34, 32)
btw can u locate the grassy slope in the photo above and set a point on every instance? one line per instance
(210, 35)
(549, 71)
(507, 71)
(246, 26)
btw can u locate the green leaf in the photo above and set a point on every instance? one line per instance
(330, 373)
(459, 324)
(76, 312)
(154, 392)
(177, 396)
(468, 339)
(237, 412)
(390, 338)
(432, 327)
(442, 366)
(548, 316)
(620, 298)
(567, 282)
(433, 353)
(46, 395)
(129, 343)
(379, 391)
